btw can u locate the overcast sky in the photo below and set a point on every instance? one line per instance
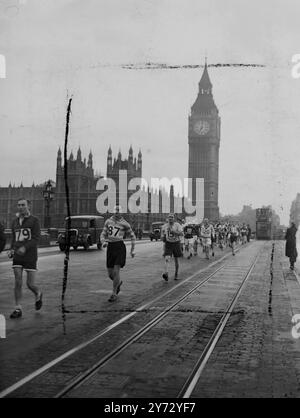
(58, 47)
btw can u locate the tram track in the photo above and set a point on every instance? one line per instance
(188, 387)
(83, 377)
(190, 383)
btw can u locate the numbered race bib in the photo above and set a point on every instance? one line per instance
(115, 232)
(23, 234)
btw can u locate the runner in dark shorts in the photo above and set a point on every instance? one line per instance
(116, 254)
(171, 233)
(112, 237)
(173, 249)
(25, 236)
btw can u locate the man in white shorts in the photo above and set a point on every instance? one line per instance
(171, 233)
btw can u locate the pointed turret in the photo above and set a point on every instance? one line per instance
(130, 155)
(71, 156)
(204, 102)
(79, 154)
(59, 158)
(205, 84)
(109, 161)
(139, 166)
(90, 161)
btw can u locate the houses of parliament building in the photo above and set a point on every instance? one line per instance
(203, 141)
(82, 183)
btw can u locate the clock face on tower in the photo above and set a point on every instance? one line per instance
(201, 127)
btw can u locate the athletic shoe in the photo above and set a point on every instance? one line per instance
(176, 276)
(119, 287)
(39, 302)
(17, 313)
(165, 276)
(113, 298)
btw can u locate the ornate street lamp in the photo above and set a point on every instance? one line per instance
(48, 195)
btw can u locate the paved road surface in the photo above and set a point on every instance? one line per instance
(256, 355)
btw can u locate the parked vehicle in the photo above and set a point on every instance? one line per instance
(156, 230)
(84, 231)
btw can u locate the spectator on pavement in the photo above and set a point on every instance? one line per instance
(249, 233)
(291, 246)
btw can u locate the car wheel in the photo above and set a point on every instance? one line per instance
(87, 244)
(75, 247)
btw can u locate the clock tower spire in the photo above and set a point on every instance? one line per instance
(204, 143)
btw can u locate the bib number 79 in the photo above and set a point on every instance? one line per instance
(23, 234)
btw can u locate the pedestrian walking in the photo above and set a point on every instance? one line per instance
(171, 234)
(207, 232)
(25, 237)
(112, 237)
(244, 233)
(190, 235)
(234, 234)
(291, 245)
(249, 233)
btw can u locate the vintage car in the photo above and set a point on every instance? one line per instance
(156, 230)
(83, 231)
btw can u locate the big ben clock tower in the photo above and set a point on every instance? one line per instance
(204, 143)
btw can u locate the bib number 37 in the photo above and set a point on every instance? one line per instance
(113, 231)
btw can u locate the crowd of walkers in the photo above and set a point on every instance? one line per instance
(182, 238)
(210, 235)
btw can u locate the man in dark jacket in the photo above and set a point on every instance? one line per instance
(25, 236)
(291, 245)
(249, 233)
(2, 238)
